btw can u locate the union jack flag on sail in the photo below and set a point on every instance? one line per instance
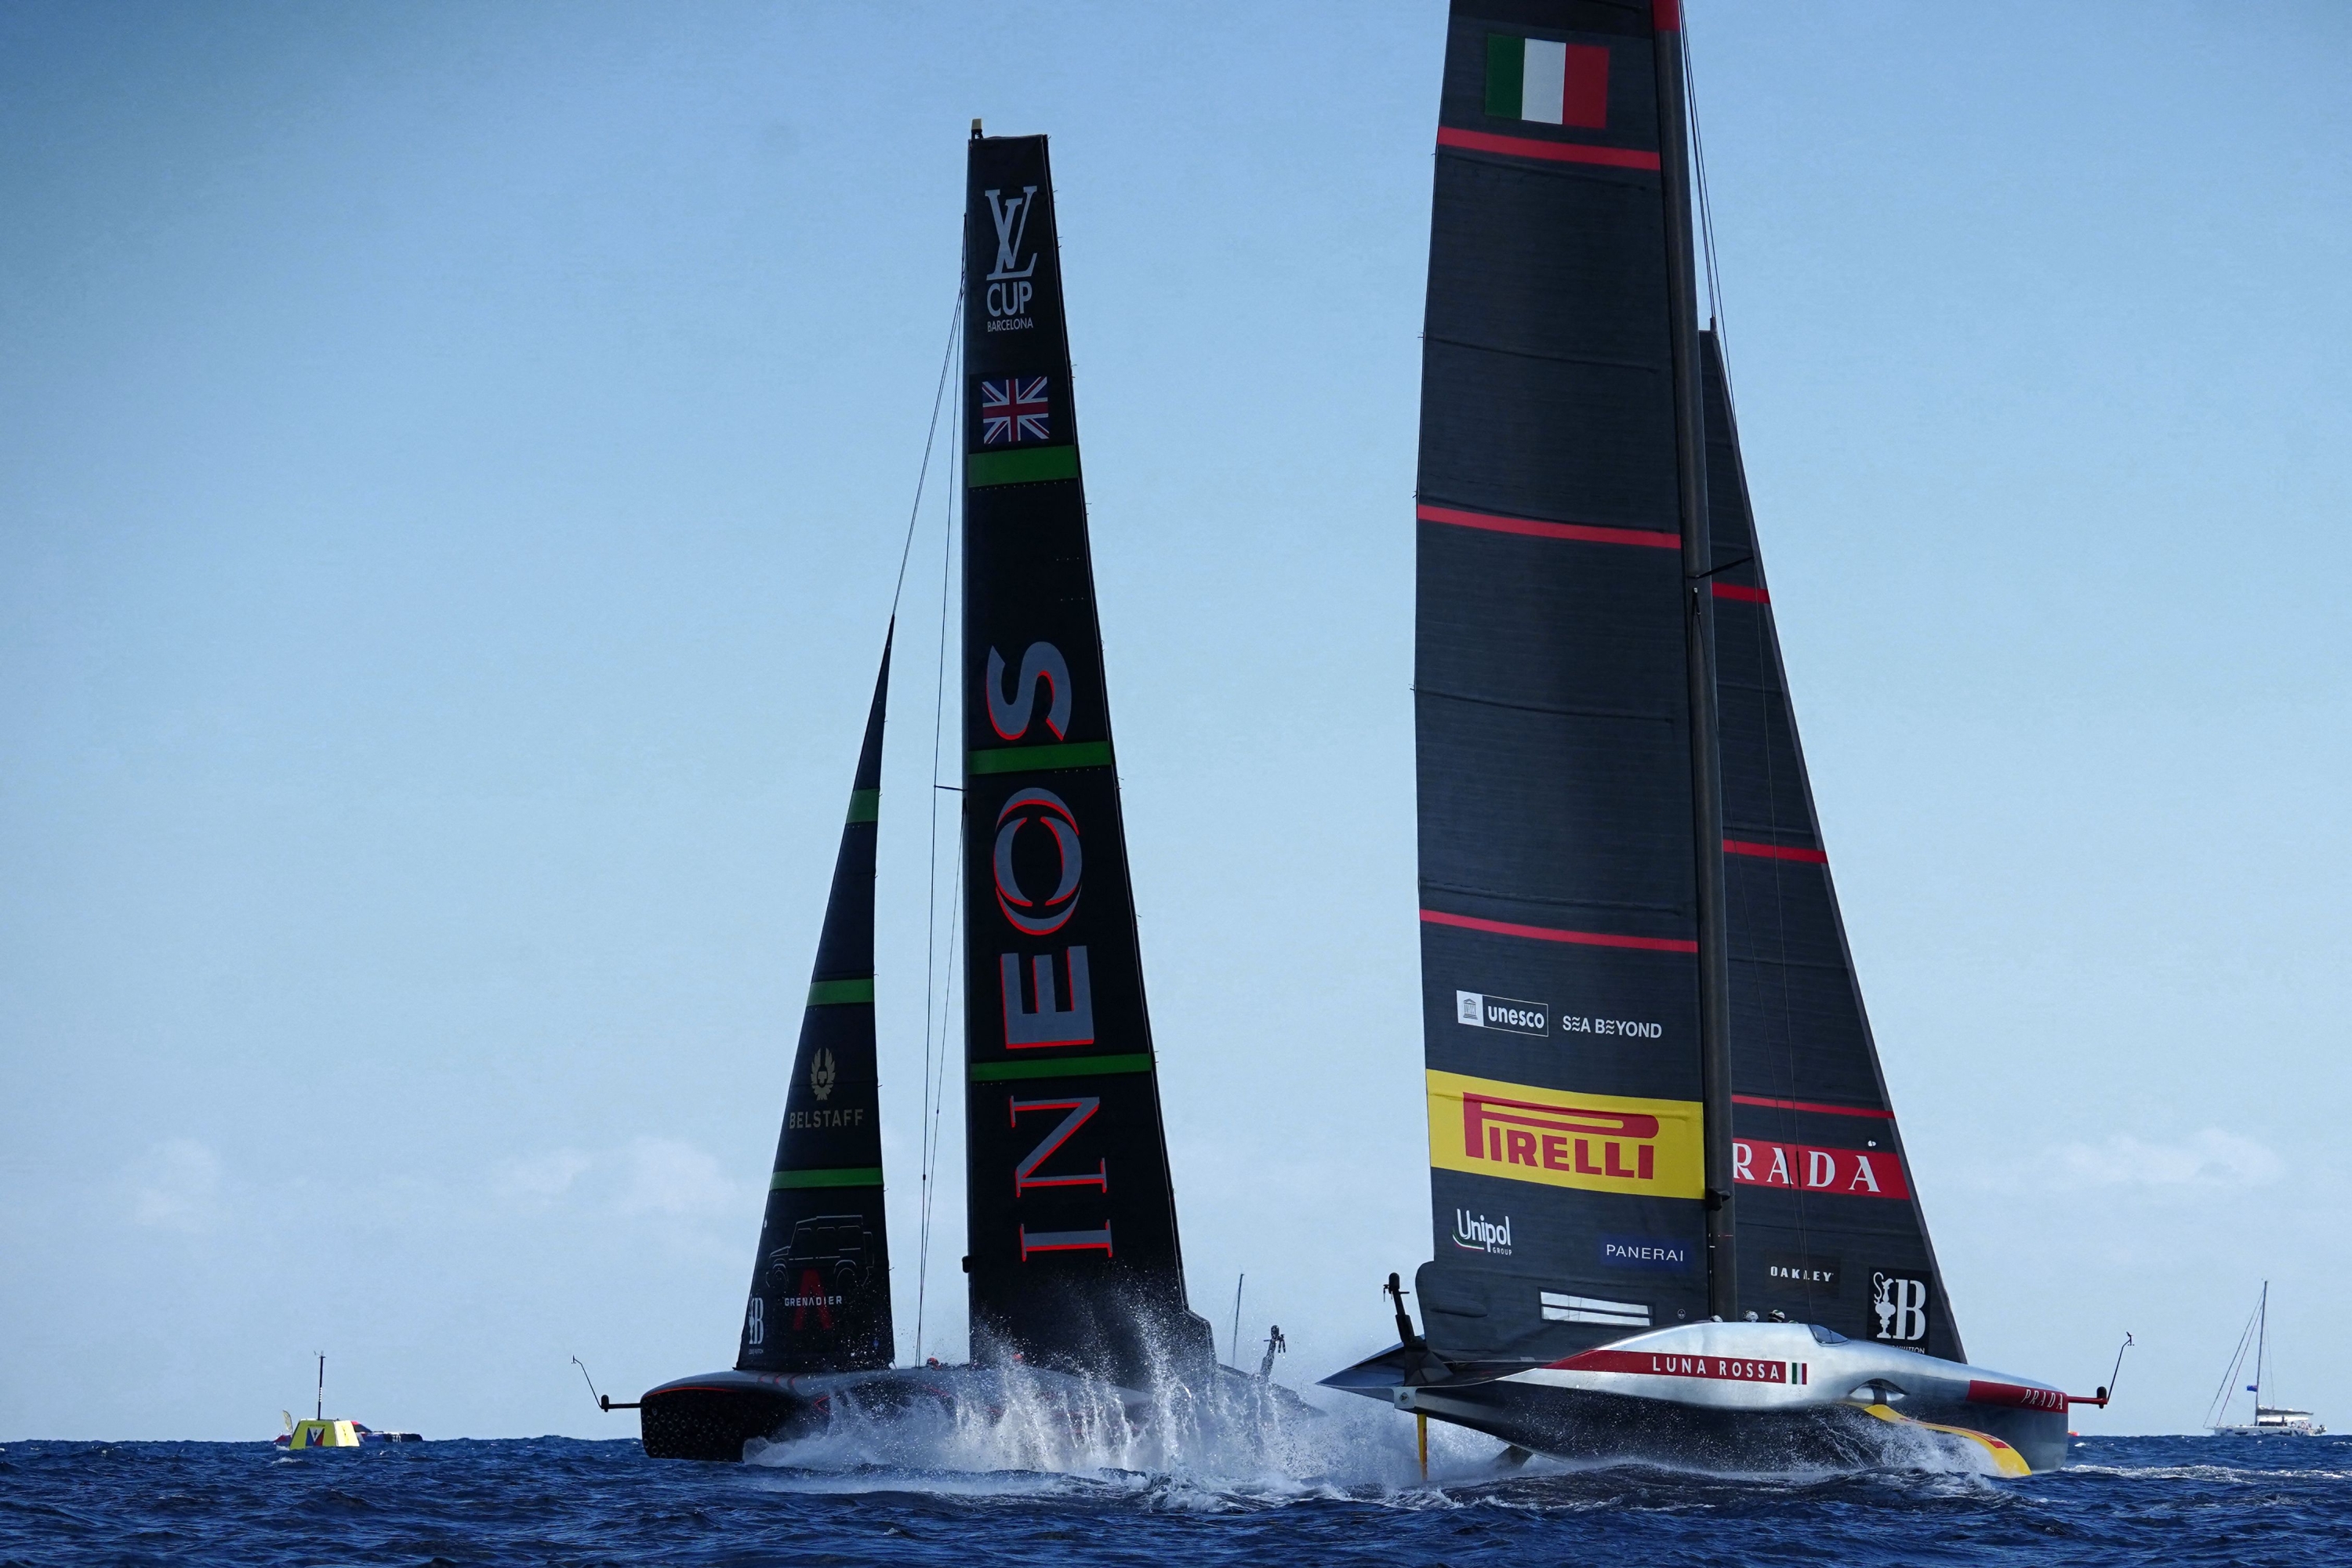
(1012, 410)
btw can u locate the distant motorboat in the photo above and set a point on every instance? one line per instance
(2269, 1420)
(339, 1433)
(320, 1431)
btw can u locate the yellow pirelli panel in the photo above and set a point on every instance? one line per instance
(1603, 1142)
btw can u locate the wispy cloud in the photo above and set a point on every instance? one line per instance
(667, 1177)
(539, 1180)
(176, 1185)
(2209, 1157)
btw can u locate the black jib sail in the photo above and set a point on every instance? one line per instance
(1073, 1247)
(1558, 883)
(820, 1281)
(1830, 1229)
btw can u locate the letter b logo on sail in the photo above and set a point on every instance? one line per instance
(1900, 1304)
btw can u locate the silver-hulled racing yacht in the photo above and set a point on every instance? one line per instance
(1673, 1217)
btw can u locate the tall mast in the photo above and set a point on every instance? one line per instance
(2262, 1347)
(1698, 626)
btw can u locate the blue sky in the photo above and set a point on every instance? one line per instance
(453, 467)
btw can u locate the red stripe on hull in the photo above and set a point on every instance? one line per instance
(1581, 532)
(1653, 1363)
(1546, 934)
(1775, 851)
(1551, 151)
(2016, 1395)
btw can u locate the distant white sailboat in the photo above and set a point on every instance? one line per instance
(2269, 1420)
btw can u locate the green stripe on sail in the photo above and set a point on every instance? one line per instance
(1024, 466)
(1507, 69)
(827, 993)
(1040, 759)
(851, 1177)
(1065, 1066)
(864, 804)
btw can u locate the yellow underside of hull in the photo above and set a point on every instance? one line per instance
(2006, 1459)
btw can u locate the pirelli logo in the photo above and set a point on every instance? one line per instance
(1601, 1142)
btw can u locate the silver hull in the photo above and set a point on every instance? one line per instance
(1751, 1396)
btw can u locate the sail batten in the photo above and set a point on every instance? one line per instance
(820, 1297)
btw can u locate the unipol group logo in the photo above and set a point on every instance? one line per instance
(1900, 1304)
(1647, 1148)
(1009, 285)
(1479, 1233)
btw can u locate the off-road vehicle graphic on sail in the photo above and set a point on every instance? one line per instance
(819, 1268)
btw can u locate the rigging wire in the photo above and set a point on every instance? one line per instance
(1705, 220)
(936, 1096)
(935, 1054)
(939, 395)
(2219, 1410)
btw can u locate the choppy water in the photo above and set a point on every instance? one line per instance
(967, 1495)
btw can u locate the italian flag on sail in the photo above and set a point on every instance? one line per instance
(1555, 84)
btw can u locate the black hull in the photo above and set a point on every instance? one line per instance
(702, 1419)
(712, 1418)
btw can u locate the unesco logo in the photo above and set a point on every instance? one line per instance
(1480, 1011)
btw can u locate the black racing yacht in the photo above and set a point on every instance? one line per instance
(1076, 1277)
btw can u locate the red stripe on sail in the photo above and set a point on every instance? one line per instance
(1817, 1168)
(1775, 851)
(1743, 595)
(1815, 1106)
(1666, 15)
(1584, 533)
(1547, 933)
(1553, 152)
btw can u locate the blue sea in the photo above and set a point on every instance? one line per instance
(2174, 1501)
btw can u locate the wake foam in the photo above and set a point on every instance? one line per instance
(1237, 1444)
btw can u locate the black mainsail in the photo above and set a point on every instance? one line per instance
(1830, 1227)
(1673, 1219)
(821, 1280)
(1559, 902)
(1072, 1218)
